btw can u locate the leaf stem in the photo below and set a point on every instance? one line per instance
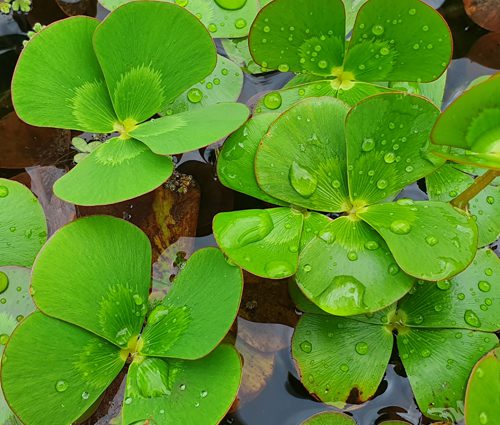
(462, 200)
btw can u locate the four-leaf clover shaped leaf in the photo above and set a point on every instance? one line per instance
(320, 156)
(391, 41)
(442, 329)
(470, 126)
(112, 77)
(91, 283)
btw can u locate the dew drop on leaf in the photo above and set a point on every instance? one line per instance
(400, 227)
(368, 145)
(352, 256)
(231, 4)
(371, 245)
(240, 23)
(483, 286)
(382, 184)
(361, 348)
(272, 100)
(302, 180)
(344, 367)
(4, 282)
(393, 269)
(431, 240)
(307, 268)
(203, 393)
(283, 67)
(85, 395)
(425, 352)
(483, 418)
(61, 386)
(195, 95)
(306, 346)
(4, 338)
(471, 319)
(182, 3)
(4, 191)
(444, 285)
(389, 157)
(378, 29)
(279, 269)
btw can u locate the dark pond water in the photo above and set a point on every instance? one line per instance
(271, 393)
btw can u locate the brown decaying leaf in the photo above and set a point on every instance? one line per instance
(485, 13)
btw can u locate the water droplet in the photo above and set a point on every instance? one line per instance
(361, 348)
(416, 46)
(371, 245)
(203, 393)
(182, 3)
(195, 95)
(384, 51)
(393, 269)
(425, 28)
(307, 268)
(279, 269)
(19, 317)
(267, 28)
(418, 319)
(182, 387)
(488, 272)
(389, 157)
(400, 227)
(61, 386)
(4, 191)
(344, 367)
(137, 299)
(306, 346)
(425, 352)
(283, 67)
(458, 335)
(368, 145)
(322, 64)
(302, 180)
(382, 184)
(336, 184)
(483, 418)
(4, 282)
(412, 12)
(272, 100)
(345, 293)
(444, 285)
(378, 29)
(327, 236)
(482, 285)
(231, 4)
(490, 200)
(212, 28)
(85, 395)
(471, 319)
(488, 301)
(431, 240)
(240, 23)
(352, 256)
(4, 338)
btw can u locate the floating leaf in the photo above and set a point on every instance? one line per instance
(481, 400)
(263, 241)
(140, 80)
(300, 36)
(236, 162)
(68, 369)
(470, 126)
(47, 94)
(387, 139)
(329, 418)
(403, 41)
(438, 364)
(302, 157)
(181, 391)
(114, 162)
(429, 240)
(224, 84)
(191, 130)
(85, 277)
(332, 354)
(198, 311)
(348, 269)
(466, 301)
(23, 229)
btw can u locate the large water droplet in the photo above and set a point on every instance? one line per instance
(400, 227)
(4, 282)
(471, 318)
(444, 285)
(389, 157)
(483, 286)
(195, 95)
(272, 100)
(231, 4)
(344, 294)
(306, 346)
(279, 269)
(240, 24)
(367, 145)
(247, 228)
(302, 180)
(378, 29)
(483, 418)
(61, 386)
(361, 348)
(431, 240)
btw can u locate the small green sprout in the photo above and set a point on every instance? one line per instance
(84, 148)
(442, 329)
(91, 283)
(36, 29)
(390, 42)
(6, 6)
(101, 82)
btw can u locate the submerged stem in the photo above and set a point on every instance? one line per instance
(474, 189)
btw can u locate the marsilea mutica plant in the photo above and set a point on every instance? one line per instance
(90, 284)
(112, 77)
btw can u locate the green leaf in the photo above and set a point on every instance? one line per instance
(300, 36)
(23, 229)
(330, 418)
(434, 91)
(471, 123)
(429, 240)
(387, 139)
(16, 303)
(438, 364)
(142, 79)
(357, 91)
(332, 354)
(313, 224)
(224, 84)
(103, 177)
(302, 158)
(403, 41)
(198, 311)
(466, 301)
(264, 242)
(348, 269)
(67, 368)
(58, 81)
(238, 52)
(95, 273)
(301, 301)
(447, 182)
(182, 391)
(482, 403)
(236, 162)
(191, 130)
